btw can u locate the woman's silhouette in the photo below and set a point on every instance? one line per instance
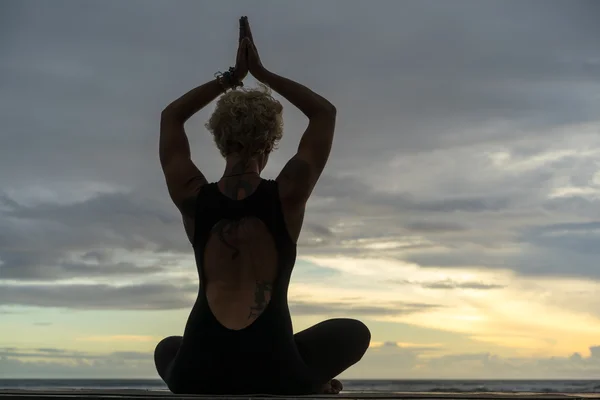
(239, 337)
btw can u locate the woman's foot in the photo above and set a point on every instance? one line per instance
(332, 387)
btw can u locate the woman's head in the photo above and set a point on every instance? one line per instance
(247, 122)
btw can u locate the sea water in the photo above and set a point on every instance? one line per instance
(439, 386)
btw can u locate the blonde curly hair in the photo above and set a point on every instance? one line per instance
(247, 121)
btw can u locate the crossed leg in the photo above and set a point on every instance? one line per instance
(328, 349)
(165, 353)
(331, 347)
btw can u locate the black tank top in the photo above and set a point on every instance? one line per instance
(261, 358)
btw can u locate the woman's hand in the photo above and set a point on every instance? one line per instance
(254, 64)
(241, 63)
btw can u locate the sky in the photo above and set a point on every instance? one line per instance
(458, 217)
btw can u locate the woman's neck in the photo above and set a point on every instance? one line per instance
(237, 167)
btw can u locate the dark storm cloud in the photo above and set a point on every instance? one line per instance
(434, 226)
(104, 209)
(317, 229)
(168, 296)
(37, 242)
(44, 266)
(422, 70)
(581, 238)
(100, 297)
(354, 188)
(560, 250)
(360, 193)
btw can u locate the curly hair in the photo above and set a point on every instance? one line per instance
(247, 121)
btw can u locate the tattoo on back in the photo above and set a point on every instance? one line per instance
(260, 298)
(236, 187)
(226, 228)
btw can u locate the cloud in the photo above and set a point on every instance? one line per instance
(100, 297)
(470, 142)
(461, 285)
(166, 296)
(434, 226)
(88, 238)
(411, 362)
(449, 284)
(61, 363)
(388, 362)
(414, 347)
(348, 309)
(465, 162)
(49, 350)
(119, 338)
(53, 353)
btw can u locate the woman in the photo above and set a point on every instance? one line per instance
(239, 337)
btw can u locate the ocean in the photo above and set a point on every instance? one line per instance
(439, 386)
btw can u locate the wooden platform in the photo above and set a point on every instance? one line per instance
(21, 394)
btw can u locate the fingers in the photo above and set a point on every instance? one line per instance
(246, 41)
(252, 52)
(247, 29)
(242, 28)
(244, 46)
(245, 50)
(241, 50)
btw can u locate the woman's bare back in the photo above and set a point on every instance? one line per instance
(240, 263)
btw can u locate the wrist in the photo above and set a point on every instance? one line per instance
(228, 79)
(262, 75)
(237, 77)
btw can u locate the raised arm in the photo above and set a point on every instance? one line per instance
(300, 174)
(183, 178)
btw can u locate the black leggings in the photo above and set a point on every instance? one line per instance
(328, 348)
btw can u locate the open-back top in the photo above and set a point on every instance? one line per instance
(263, 353)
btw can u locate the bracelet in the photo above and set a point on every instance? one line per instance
(227, 79)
